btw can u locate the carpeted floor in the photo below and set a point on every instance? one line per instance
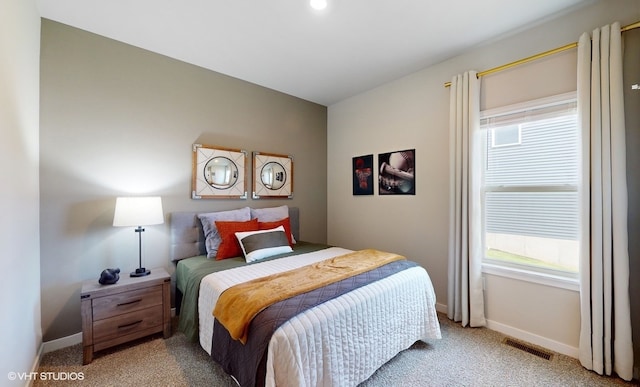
(464, 357)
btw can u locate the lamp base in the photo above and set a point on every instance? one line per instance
(140, 272)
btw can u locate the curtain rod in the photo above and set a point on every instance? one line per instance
(540, 55)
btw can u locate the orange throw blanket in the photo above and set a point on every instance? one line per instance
(238, 305)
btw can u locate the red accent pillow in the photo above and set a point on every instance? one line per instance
(230, 247)
(282, 222)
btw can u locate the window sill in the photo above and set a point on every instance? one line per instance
(530, 276)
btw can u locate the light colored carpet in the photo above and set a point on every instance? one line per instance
(464, 357)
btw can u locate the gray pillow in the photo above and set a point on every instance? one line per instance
(270, 214)
(208, 220)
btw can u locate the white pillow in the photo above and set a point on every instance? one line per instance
(257, 245)
(208, 220)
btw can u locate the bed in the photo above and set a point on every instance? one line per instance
(335, 335)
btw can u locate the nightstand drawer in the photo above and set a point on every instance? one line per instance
(125, 324)
(121, 303)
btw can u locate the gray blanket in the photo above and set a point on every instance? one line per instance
(247, 363)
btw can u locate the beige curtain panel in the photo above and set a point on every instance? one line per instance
(465, 301)
(605, 334)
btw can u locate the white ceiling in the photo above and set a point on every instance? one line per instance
(320, 56)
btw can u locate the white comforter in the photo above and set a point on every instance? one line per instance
(342, 341)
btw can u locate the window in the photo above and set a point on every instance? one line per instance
(506, 135)
(530, 186)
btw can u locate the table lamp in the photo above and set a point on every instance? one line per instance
(138, 212)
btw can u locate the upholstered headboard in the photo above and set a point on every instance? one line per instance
(187, 236)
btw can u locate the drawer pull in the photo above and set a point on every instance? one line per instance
(130, 302)
(129, 325)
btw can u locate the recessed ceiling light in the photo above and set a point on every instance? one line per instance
(319, 4)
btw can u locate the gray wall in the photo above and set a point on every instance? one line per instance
(632, 120)
(413, 112)
(20, 328)
(117, 120)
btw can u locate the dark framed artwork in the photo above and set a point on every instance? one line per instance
(218, 173)
(396, 173)
(272, 176)
(362, 174)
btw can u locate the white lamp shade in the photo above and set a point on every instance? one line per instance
(138, 211)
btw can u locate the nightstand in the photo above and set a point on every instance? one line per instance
(133, 307)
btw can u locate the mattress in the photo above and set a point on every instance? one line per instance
(342, 341)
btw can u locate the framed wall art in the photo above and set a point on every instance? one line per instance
(272, 176)
(396, 173)
(362, 174)
(218, 173)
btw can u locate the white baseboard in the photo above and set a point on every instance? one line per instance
(62, 342)
(36, 364)
(529, 337)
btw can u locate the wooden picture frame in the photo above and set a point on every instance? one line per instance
(272, 176)
(218, 173)
(396, 173)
